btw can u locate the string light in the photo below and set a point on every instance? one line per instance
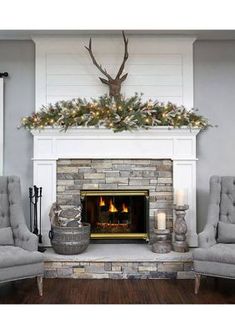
(150, 104)
(65, 114)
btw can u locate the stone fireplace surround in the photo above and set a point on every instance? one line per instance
(155, 144)
(155, 176)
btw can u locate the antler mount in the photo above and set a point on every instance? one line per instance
(114, 84)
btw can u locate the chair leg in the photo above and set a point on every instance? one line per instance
(197, 283)
(40, 285)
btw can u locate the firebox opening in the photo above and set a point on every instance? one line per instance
(116, 214)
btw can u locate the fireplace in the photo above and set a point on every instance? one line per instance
(159, 160)
(116, 214)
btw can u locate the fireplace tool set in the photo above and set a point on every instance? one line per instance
(35, 212)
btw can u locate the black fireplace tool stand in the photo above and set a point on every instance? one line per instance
(35, 212)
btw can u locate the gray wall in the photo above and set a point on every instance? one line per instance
(214, 90)
(17, 58)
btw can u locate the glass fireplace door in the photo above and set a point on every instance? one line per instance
(116, 214)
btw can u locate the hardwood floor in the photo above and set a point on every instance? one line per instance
(72, 291)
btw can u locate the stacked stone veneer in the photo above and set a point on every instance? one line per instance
(153, 175)
(119, 270)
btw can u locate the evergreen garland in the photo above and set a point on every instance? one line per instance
(119, 114)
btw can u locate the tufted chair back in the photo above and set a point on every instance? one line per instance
(4, 203)
(227, 200)
(11, 212)
(222, 201)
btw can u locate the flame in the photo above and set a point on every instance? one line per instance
(101, 202)
(124, 208)
(112, 207)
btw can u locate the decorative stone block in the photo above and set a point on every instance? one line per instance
(64, 183)
(165, 180)
(64, 272)
(148, 267)
(170, 267)
(95, 268)
(162, 275)
(94, 176)
(116, 268)
(105, 186)
(90, 186)
(67, 169)
(112, 173)
(108, 266)
(185, 275)
(78, 270)
(140, 181)
(119, 180)
(50, 273)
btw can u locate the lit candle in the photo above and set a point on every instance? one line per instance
(180, 198)
(161, 221)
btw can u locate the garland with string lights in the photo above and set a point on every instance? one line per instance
(118, 114)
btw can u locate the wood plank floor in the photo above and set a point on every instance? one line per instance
(72, 291)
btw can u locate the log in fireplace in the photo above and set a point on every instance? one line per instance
(116, 214)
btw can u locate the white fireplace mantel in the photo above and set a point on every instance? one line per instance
(179, 145)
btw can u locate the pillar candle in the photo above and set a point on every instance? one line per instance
(161, 221)
(180, 198)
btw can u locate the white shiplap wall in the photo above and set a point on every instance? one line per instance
(161, 68)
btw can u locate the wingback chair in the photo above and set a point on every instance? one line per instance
(216, 253)
(19, 257)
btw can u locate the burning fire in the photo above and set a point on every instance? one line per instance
(124, 208)
(112, 207)
(101, 202)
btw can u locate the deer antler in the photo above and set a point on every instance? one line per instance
(89, 49)
(113, 84)
(124, 58)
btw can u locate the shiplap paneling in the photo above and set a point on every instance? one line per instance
(160, 68)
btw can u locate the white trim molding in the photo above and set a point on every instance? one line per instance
(179, 145)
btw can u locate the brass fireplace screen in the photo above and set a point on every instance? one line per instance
(116, 214)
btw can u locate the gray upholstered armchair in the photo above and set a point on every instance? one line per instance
(216, 253)
(19, 257)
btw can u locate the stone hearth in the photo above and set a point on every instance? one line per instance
(114, 262)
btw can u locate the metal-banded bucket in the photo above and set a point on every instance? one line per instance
(70, 240)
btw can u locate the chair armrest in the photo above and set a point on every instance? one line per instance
(207, 238)
(26, 239)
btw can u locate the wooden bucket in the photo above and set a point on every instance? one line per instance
(70, 240)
